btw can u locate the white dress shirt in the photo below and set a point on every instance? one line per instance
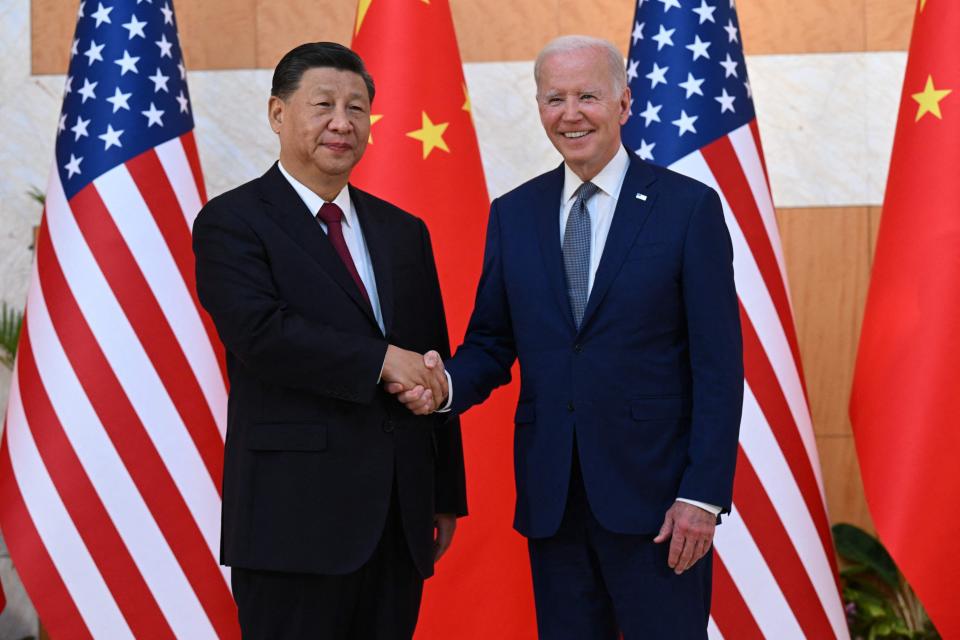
(601, 208)
(352, 235)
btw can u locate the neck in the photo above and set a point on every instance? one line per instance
(589, 169)
(324, 185)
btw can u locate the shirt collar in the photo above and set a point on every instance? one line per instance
(608, 180)
(314, 202)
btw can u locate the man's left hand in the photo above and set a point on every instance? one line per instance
(446, 525)
(691, 531)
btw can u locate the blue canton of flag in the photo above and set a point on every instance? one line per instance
(126, 89)
(687, 76)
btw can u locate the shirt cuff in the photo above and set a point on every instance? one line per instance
(703, 505)
(446, 405)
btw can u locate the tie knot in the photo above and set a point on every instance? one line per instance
(330, 213)
(586, 191)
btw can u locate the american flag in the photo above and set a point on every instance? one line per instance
(692, 111)
(112, 453)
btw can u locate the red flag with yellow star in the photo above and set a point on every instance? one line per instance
(424, 158)
(905, 406)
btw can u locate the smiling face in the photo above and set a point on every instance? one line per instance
(323, 127)
(581, 108)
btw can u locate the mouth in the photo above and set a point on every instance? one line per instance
(573, 135)
(338, 147)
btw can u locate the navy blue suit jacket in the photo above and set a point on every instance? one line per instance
(651, 384)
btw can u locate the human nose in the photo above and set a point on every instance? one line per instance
(340, 122)
(571, 110)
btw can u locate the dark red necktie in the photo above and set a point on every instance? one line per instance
(332, 216)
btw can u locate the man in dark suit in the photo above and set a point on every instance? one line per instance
(611, 281)
(336, 500)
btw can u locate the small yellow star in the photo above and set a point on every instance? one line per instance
(929, 99)
(362, 8)
(374, 119)
(466, 99)
(431, 135)
(923, 3)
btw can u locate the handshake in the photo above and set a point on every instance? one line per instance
(418, 381)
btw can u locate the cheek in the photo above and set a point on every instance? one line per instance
(547, 118)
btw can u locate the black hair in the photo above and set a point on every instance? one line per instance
(292, 66)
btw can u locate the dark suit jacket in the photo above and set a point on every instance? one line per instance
(313, 442)
(651, 384)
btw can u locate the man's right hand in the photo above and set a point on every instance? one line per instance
(420, 380)
(420, 399)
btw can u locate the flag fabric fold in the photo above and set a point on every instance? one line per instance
(692, 111)
(424, 158)
(112, 452)
(905, 401)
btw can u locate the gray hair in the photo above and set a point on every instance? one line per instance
(568, 44)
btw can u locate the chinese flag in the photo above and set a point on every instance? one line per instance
(905, 406)
(424, 158)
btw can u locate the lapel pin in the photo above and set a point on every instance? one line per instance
(642, 197)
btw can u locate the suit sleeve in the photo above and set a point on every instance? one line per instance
(716, 355)
(483, 362)
(450, 479)
(235, 285)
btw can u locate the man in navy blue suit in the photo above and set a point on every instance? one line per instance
(611, 280)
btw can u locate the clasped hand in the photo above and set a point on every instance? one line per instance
(419, 382)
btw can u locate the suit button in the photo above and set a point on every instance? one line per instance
(388, 426)
(577, 348)
(570, 407)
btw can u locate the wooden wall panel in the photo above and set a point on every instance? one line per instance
(241, 34)
(842, 483)
(788, 26)
(511, 30)
(218, 34)
(283, 25)
(52, 23)
(889, 23)
(610, 19)
(827, 253)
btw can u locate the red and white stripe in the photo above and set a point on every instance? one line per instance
(112, 457)
(775, 575)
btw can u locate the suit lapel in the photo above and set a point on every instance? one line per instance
(287, 209)
(377, 236)
(547, 213)
(628, 218)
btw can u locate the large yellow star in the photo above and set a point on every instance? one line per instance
(431, 135)
(361, 14)
(374, 119)
(466, 99)
(929, 99)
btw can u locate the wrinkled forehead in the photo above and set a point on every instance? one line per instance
(328, 80)
(576, 71)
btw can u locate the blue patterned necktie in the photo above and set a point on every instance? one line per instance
(576, 251)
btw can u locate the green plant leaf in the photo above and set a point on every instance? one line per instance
(11, 321)
(37, 195)
(858, 546)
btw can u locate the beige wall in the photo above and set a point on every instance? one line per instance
(828, 250)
